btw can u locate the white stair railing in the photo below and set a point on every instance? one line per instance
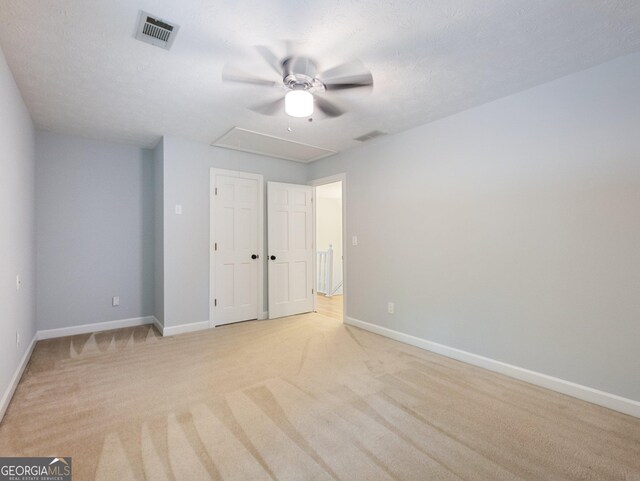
(325, 272)
(336, 289)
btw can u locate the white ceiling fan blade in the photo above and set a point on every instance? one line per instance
(347, 76)
(270, 108)
(328, 108)
(230, 75)
(271, 58)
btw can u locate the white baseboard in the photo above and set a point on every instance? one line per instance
(96, 327)
(109, 325)
(159, 325)
(15, 380)
(184, 328)
(86, 329)
(601, 398)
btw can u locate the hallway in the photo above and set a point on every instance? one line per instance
(330, 306)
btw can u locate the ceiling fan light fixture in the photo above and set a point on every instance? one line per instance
(298, 103)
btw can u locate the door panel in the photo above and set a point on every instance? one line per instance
(290, 241)
(235, 217)
(300, 284)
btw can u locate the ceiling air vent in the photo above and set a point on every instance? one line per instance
(371, 135)
(156, 31)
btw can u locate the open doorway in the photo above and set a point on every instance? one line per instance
(329, 250)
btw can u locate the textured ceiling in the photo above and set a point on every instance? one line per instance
(81, 71)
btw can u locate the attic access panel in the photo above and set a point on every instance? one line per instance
(270, 146)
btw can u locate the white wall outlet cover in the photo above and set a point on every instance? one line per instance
(18, 283)
(390, 308)
(18, 338)
(354, 240)
(178, 209)
(115, 301)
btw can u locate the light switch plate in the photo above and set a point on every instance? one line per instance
(354, 240)
(178, 209)
(115, 301)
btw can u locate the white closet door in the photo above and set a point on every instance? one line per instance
(235, 218)
(290, 248)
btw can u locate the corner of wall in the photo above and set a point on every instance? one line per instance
(158, 206)
(17, 234)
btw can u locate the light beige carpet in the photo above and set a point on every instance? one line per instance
(302, 398)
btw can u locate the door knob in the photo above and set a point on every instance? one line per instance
(254, 256)
(273, 258)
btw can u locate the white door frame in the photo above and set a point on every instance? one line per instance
(261, 259)
(323, 181)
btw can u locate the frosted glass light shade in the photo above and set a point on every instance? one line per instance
(298, 103)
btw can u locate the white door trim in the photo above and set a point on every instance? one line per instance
(330, 180)
(261, 259)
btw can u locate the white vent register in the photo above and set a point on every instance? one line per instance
(156, 31)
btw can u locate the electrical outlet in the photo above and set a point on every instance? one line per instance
(178, 209)
(115, 301)
(17, 338)
(354, 240)
(18, 283)
(390, 308)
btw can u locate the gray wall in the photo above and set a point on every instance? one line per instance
(17, 233)
(95, 221)
(186, 237)
(158, 231)
(511, 230)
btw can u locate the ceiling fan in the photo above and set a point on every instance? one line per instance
(303, 85)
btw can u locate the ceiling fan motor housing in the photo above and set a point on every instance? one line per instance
(300, 74)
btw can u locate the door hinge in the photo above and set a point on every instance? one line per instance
(215, 302)
(216, 191)
(311, 291)
(215, 246)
